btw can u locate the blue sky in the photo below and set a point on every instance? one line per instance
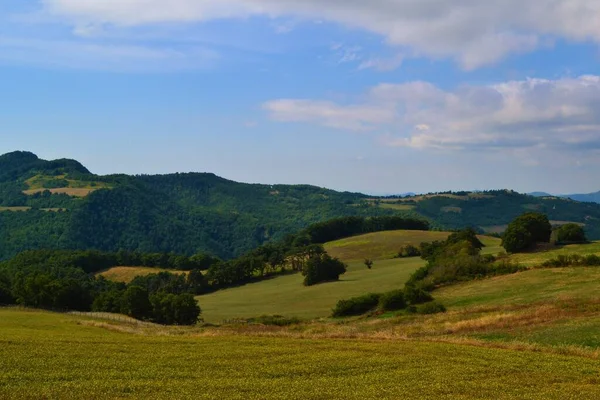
(385, 96)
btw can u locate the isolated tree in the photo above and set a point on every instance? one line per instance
(369, 263)
(525, 231)
(571, 233)
(322, 268)
(538, 226)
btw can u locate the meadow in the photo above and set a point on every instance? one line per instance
(285, 295)
(127, 274)
(47, 355)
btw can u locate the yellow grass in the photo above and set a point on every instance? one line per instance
(15, 209)
(127, 274)
(74, 192)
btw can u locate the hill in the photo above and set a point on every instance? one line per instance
(491, 211)
(285, 295)
(62, 205)
(181, 213)
(589, 197)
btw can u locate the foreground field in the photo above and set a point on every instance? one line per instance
(59, 356)
(127, 274)
(285, 295)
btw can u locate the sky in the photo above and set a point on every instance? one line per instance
(378, 96)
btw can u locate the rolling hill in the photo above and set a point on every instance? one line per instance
(62, 205)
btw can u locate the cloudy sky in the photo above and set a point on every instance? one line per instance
(378, 96)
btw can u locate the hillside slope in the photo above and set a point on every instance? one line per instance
(61, 204)
(182, 213)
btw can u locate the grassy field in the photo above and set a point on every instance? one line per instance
(285, 295)
(127, 274)
(59, 356)
(73, 187)
(537, 258)
(15, 209)
(385, 245)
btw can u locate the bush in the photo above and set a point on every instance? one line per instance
(356, 305)
(392, 301)
(571, 233)
(416, 295)
(408, 251)
(276, 320)
(572, 260)
(432, 307)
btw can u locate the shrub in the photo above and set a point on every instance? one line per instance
(432, 307)
(408, 251)
(276, 320)
(416, 295)
(356, 305)
(392, 301)
(572, 260)
(571, 233)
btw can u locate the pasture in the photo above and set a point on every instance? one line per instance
(385, 245)
(48, 355)
(285, 295)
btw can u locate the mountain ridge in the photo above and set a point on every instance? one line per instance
(61, 204)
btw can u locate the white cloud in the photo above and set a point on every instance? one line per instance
(102, 56)
(382, 64)
(474, 32)
(355, 118)
(540, 114)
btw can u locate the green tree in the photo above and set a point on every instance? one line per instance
(516, 238)
(136, 303)
(571, 233)
(322, 268)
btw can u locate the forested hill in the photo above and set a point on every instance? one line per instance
(60, 204)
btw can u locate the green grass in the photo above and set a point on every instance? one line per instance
(536, 259)
(58, 356)
(285, 295)
(385, 245)
(524, 288)
(74, 187)
(127, 274)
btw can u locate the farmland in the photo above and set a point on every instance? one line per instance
(48, 355)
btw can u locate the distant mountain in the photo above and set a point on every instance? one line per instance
(539, 194)
(590, 197)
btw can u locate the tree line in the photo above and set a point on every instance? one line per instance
(65, 280)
